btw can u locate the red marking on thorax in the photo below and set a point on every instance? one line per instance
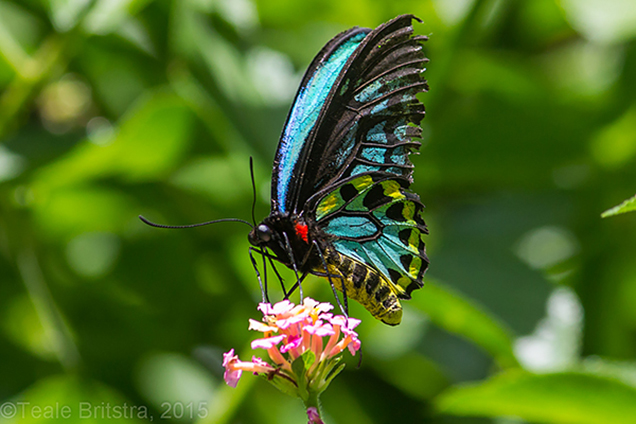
(301, 230)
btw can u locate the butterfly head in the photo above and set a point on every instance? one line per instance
(261, 235)
(269, 235)
(285, 236)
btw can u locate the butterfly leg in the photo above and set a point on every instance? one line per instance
(290, 253)
(280, 278)
(324, 274)
(297, 284)
(258, 274)
(344, 310)
(271, 262)
(262, 252)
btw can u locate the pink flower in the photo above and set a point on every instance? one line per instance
(278, 308)
(314, 417)
(267, 342)
(262, 327)
(232, 374)
(285, 323)
(319, 307)
(300, 328)
(291, 331)
(234, 367)
(319, 329)
(259, 363)
(354, 346)
(292, 343)
(345, 326)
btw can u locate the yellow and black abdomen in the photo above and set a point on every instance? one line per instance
(365, 285)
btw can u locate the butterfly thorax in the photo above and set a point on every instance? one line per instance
(287, 233)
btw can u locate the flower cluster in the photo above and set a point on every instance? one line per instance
(304, 343)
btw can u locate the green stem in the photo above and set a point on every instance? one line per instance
(313, 401)
(54, 325)
(227, 402)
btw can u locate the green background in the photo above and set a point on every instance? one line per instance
(114, 108)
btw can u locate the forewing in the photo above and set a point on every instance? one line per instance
(311, 99)
(370, 123)
(356, 112)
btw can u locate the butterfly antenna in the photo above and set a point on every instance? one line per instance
(253, 190)
(201, 224)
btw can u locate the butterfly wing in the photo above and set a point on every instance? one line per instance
(352, 113)
(377, 221)
(297, 141)
(343, 162)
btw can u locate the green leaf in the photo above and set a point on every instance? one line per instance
(65, 14)
(309, 357)
(171, 377)
(624, 371)
(332, 374)
(614, 146)
(453, 312)
(299, 368)
(150, 142)
(564, 398)
(327, 371)
(281, 383)
(68, 399)
(618, 23)
(107, 15)
(627, 206)
(424, 379)
(19, 31)
(72, 211)
(200, 174)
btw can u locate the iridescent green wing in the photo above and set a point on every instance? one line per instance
(378, 222)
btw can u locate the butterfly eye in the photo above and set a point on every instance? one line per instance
(260, 235)
(264, 233)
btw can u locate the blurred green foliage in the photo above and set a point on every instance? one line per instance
(114, 108)
(627, 206)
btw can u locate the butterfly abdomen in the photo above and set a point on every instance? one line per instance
(365, 285)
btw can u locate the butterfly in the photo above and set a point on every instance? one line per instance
(340, 200)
